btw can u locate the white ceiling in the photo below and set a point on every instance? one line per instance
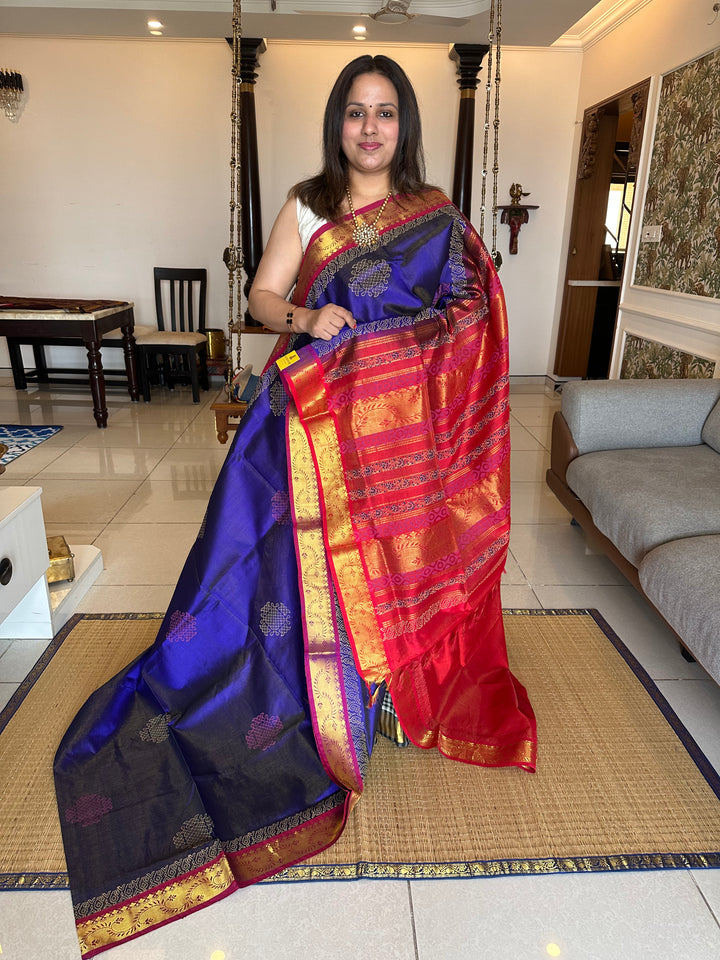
(525, 22)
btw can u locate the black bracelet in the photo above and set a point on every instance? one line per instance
(289, 319)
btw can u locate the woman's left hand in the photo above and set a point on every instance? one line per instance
(325, 323)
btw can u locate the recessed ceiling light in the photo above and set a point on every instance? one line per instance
(360, 37)
(359, 29)
(156, 33)
(154, 25)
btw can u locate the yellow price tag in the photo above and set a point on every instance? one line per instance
(288, 360)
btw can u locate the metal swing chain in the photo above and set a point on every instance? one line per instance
(494, 36)
(495, 253)
(486, 135)
(233, 254)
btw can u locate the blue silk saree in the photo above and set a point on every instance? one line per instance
(354, 541)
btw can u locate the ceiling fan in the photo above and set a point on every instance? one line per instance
(394, 11)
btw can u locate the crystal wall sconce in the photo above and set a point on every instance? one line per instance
(11, 91)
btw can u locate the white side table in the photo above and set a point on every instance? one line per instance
(28, 608)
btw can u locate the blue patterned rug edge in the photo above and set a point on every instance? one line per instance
(12, 436)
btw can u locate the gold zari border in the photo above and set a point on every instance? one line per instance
(522, 753)
(279, 853)
(346, 558)
(155, 908)
(324, 676)
(500, 868)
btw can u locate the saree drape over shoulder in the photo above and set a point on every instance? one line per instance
(354, 540)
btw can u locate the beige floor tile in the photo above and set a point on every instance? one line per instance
(168, 501)
(144, 553)
(72, 434)
(516, 597)
(543, 434)
(536, 415)
(202, 433)
(640, 915)
(89, 501)
(60, 412)
(529, 465)
(555, 553)
(533, 502)
(130, 598)
(76, 532)
(174, 416)
(190, 468)
(512, 572)
(522, 398)
(111, 463)
(32, 462)
(128, 433)
(521, 438)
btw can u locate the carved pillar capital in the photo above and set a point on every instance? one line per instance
(469, 58)
(251, 49)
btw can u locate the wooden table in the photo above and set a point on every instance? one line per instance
(50, 322)
(223, 413)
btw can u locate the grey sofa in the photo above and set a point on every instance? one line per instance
(637, 464)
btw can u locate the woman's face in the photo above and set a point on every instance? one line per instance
(371, 126)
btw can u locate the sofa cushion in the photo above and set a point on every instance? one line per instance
(682, 579)
(642, 498)
(615, 414)
(711, 428)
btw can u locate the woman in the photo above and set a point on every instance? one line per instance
(354, 540)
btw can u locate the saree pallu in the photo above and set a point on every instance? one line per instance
(355, 538)
(407, 419)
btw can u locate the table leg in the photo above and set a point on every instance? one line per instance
(16, 362)
(130, 360)
(40, 363)
(97, 382)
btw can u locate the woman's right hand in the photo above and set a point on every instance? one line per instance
(324, 323)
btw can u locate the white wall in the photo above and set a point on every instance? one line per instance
(119, 162)
(662, 35)
(537, 136)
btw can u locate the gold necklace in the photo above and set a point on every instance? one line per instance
(365, 234)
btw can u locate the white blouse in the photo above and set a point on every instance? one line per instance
(308, 222)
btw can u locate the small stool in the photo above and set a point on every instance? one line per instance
(225, 411)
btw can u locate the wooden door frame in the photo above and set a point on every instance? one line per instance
(587, 230)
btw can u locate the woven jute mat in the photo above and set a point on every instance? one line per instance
(619, 785)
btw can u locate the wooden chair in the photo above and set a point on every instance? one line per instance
(179, 339)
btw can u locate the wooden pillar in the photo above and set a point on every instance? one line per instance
(469, 58)
(251, 49)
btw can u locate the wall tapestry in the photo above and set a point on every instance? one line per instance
(683, 195)
(650, 360)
